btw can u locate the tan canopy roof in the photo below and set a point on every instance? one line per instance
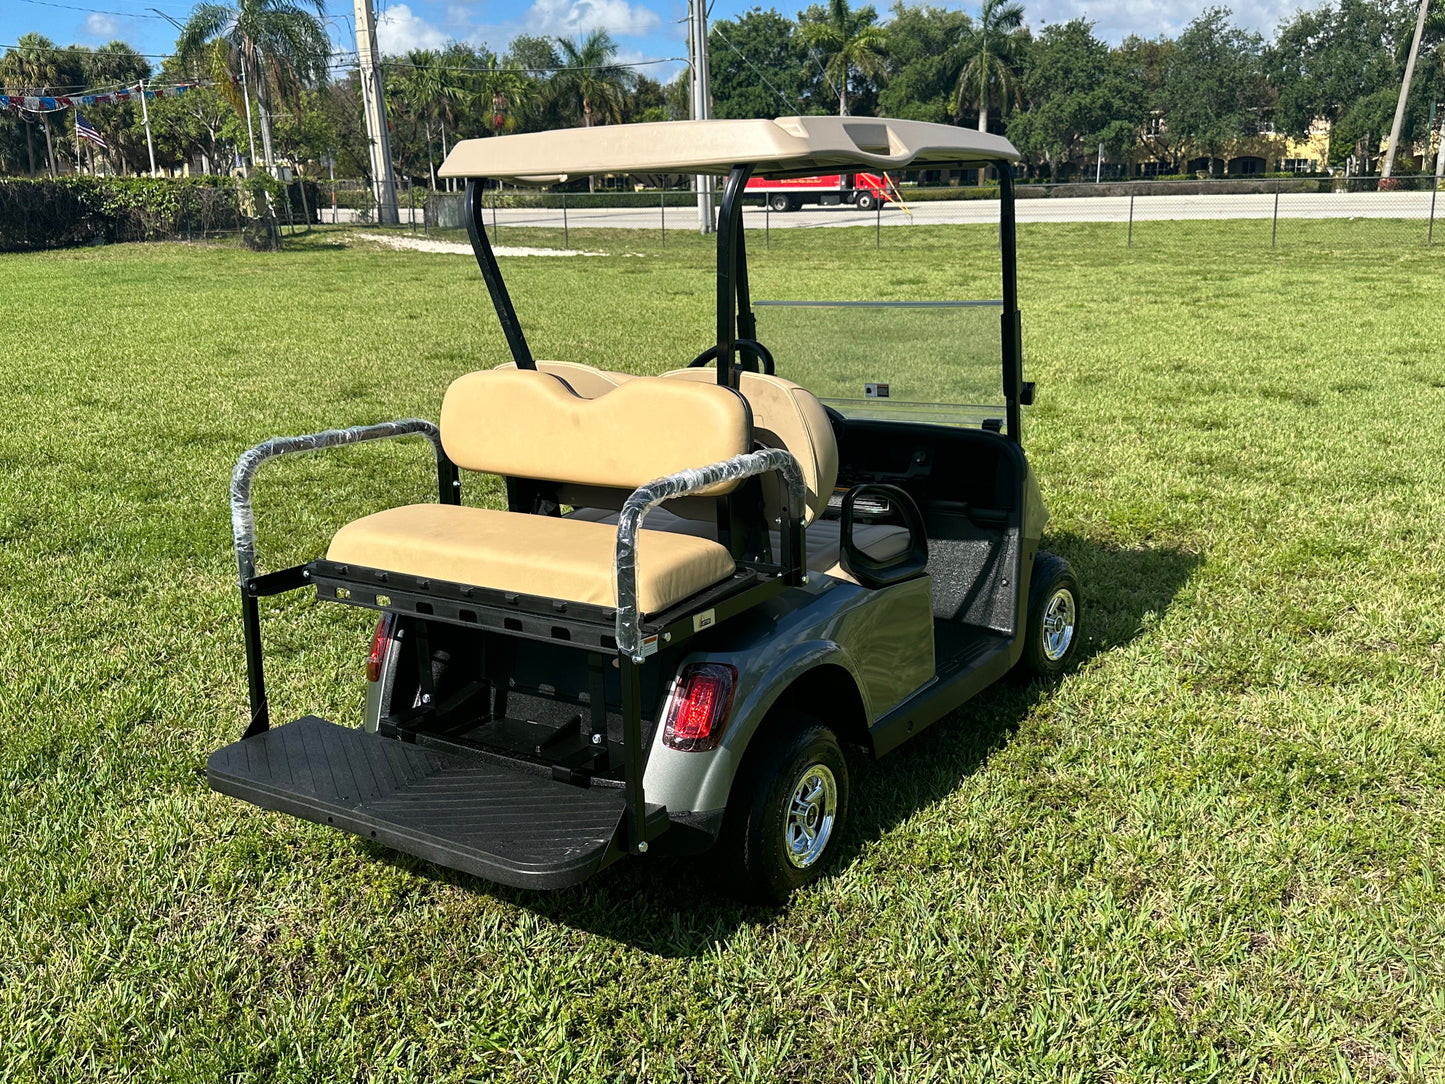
(788, 145)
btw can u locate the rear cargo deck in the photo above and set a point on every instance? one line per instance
(467, 812)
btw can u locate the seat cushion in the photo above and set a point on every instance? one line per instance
(823, 539)
(569, 559)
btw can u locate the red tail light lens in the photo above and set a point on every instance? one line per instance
(380, 645)
(697, 709)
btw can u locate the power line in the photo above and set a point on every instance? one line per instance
(94, 11)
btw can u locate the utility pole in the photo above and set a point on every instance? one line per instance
(146, 118)
(701, 102)
(374, 105)
(1405, 91)
(266, 151)
(250, 132)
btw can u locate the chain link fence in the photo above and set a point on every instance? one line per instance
(1321, 212)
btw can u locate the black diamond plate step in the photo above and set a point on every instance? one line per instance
(459, 811)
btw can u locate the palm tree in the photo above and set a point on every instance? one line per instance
(504, 92)
(275, 45)
(850, 40)
(590, 78)
(31, 67)
(433, 91)
(989, 52)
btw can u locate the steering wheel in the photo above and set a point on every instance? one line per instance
(764, 355)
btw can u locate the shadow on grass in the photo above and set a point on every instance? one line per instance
(672, 907)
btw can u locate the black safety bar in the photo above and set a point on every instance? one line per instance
(243, 530)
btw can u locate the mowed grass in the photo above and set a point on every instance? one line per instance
(1214, 852)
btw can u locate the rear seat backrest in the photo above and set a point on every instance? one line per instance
(528, 424)
(785, 415)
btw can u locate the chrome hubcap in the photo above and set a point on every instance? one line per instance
(1058, 624)
(811, 812)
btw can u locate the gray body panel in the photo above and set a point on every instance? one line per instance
(882, 639)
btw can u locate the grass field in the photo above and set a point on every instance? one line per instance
(1214, 852)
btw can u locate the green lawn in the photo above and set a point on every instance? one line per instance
(1216, 851)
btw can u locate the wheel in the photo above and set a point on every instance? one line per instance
(1052, 638)
(866, 201)
(786, 813)
(779, 201)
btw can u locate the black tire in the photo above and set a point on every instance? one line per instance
(780, 202)
(866, 201)
(764, 846)
(1055, 607)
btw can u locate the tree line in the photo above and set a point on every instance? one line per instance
(265, 75)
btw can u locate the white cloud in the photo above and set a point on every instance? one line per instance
(572, 18)
(1116, 19)
(399, 31)
(101, 27)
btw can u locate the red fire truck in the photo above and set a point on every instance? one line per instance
(863, 190)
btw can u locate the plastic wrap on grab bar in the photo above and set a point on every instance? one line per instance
(243, 520)
(693, 480)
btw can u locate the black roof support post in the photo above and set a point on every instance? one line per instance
(492, 274)
(1011, 325)
(729, 244)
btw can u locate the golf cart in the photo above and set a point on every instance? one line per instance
(706, 584)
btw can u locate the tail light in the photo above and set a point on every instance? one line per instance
(380, 645)
(697, 708)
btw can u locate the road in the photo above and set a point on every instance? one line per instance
(1312, 205)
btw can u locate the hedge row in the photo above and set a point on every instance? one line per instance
(70, 211)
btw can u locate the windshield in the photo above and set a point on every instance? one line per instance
(933, 361)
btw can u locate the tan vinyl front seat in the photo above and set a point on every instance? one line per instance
(531, 425)
(785, 415)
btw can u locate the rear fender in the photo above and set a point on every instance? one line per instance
(701, 781)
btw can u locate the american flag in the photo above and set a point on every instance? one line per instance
(86, 130)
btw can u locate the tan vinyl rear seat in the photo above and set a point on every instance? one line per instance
(530, 425)
(585, 380)
(533, 555)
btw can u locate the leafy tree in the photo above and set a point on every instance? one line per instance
(1145, 65)
(848, 39)
(647, 103)
(1214, 86)
(757, 66)
(1076, 96)
(992, 53)
(924, 62)
(536, 58)
(278, 46)
(1337, 63)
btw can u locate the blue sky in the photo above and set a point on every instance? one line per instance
(645, 30)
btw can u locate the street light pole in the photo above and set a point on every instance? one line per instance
(374, 104)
